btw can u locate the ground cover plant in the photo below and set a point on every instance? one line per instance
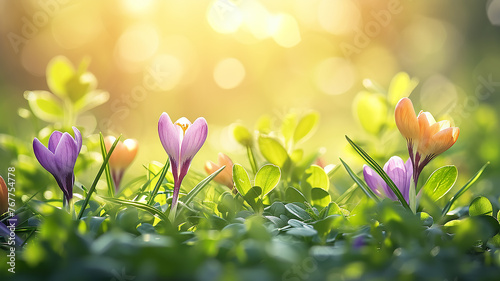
(280, 214)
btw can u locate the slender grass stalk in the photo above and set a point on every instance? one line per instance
(96, 179)
(109, 179)
(159, 182)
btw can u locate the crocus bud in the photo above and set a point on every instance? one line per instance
(225, 177)
(59, 158)
(399, 172)
(4, 196)
(123, 155)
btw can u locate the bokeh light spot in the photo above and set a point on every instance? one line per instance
(165, 73)
(338, 16)
(284, 30)
(334, 76)
(138, 43)
(229, 73)
(74, 27)
(224, 16)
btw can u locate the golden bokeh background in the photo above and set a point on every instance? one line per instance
(234, 60)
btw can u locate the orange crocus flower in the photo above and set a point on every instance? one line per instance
(423, 134)
(225, 177)
(122, 157)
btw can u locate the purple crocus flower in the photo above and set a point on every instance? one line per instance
(399, 172)
(59, 158)
(181, 140)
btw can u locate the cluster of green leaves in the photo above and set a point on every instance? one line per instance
(281, 220)
(72, 92)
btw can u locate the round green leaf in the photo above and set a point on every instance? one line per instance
(288, 126)
(440, 182)
(315, 176)
(320, 197)
(241, 179)
(273, 151)
(306, 126)
(45, 105)
(480, 206)
(294, 195)
(267, 178)
(59, 72)
(401, 86)
(371, 111)
(242, 135)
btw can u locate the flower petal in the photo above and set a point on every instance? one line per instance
(169, 137)
(54, 139)
(78, 139)
(194, 139)
(406, 120)
(400, 173)
(443, 140)
(44, 156)
(373, 180)
(65, 155)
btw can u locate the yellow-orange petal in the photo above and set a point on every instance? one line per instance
(225, 177)
(406, 120)
(4, 196)
(444, 139)
(124, 152)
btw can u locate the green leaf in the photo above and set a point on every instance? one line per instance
(315, 176)
(45, 105)
(332, 209)
(192, 194)
(371, 111)
(294, 195)
(267, 178)
(401, 86)
(139, 205)
(440, 182)
(379, 171)
(288, 127)
(252, 197)
(306, 126)
(264, 124)
(463, 189)
(302, 232)
(158, 183)
(320, 197)
(241, 179)
(367, 190)
(242, 135)
(91, 100)
(273, 151)
(59, 72)
(80, 84)
(480, 206)
(109, 179)
(298, 211)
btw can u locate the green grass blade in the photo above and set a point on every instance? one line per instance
(463, 189)
(159, 182)
(109, 179)
(96, 179)
(367, 190)
(139, 205)
(379, 171)
(192, 194)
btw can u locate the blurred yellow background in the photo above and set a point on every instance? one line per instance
(235, 60)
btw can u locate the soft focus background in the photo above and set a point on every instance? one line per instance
(232, 61)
